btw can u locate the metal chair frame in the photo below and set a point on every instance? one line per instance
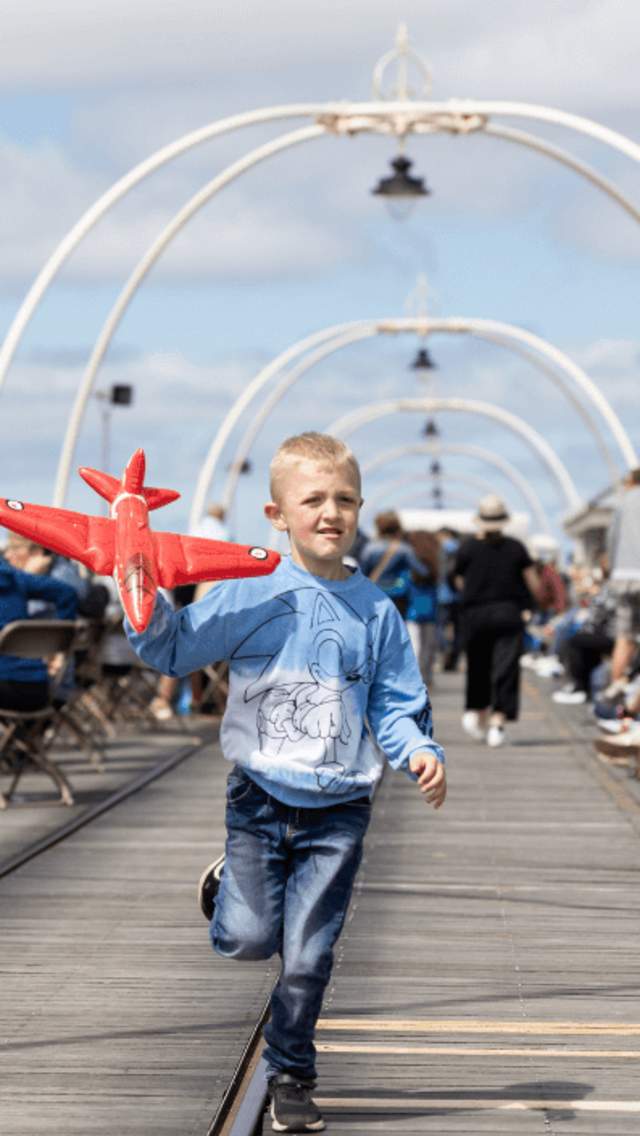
(35, 639)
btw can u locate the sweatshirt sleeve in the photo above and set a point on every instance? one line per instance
(47, 588)
(399, 707)
(177, 643)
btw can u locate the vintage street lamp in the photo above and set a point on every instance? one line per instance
(430, 430)
(423, 361)
(400, 189)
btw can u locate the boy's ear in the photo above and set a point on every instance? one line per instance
(273, 514)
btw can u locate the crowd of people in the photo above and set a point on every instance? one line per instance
(587, 636)
(510, 607)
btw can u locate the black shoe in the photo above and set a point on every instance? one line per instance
(292, 1107)
(208, 886)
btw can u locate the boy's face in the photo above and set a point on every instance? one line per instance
(318, 505)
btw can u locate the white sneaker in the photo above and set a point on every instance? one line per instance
(495, 736)
(529, 661)
(569, 697)
(471, 725)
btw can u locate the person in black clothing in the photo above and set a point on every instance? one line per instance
(498, 582)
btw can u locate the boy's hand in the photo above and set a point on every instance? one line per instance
(432, 779)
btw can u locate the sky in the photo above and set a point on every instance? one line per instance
(299, 243)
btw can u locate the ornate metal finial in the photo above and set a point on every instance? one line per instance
(407, 62)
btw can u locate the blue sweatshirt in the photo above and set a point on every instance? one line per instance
(16, 589)
(312, 661)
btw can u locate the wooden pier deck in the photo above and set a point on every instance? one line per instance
(486, 981)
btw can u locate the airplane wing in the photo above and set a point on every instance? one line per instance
(87, 539)
(190, 559)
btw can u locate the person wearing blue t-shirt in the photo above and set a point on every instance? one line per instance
(319, 659)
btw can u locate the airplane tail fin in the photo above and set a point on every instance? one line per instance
(156, 498)
(109, 487)
(103, 483)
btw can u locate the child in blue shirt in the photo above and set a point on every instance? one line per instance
(319, 661)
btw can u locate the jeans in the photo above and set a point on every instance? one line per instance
(285, 889)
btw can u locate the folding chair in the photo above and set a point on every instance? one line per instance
(81, 715)
(24, 730)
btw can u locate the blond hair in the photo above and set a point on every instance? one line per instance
(320, 448)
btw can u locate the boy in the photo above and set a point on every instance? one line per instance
(315, 650)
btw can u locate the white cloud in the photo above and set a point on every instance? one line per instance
(596, 222)
(569, 49)
(45, 193)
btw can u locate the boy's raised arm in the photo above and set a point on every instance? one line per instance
(177, 643)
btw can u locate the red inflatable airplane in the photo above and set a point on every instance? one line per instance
(124, 545)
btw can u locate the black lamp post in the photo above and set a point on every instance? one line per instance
(120, 394)
(400, 189)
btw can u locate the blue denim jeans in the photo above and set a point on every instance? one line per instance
(285, 889)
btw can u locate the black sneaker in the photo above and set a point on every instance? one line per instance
(292, 1107)
(208, 886)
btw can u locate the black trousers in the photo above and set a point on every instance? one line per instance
(23, 695)
(582, 653)
(493, 670)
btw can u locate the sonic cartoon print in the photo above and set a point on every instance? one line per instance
(304, 702)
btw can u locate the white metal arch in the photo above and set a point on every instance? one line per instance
(364, 414)
(395, 484)
(545, 356)
(182, 217)
(528, 344)
(466, 449)
(140, 271)
(458, 116)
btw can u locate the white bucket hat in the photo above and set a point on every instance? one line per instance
(492, 514)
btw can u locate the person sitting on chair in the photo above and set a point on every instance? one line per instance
(24, 682)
